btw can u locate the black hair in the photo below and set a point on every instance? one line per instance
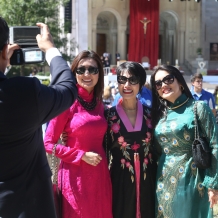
(159, 106)
(135, 69)
(4, 33)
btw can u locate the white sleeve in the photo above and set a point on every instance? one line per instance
(51, 53)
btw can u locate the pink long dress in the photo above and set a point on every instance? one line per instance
(86, 189)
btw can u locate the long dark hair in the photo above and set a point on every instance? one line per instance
(99, 87)
(135, 69)
(159, 106)
(4, 33)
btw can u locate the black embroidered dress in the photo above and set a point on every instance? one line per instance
(133, 168)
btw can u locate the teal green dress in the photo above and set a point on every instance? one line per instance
(181, 187)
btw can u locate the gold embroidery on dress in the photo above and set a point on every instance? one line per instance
(193, 168)
(173, 172)
(166, 150)
(175, 142)
(200, 189)
(160, 211)
(186, 136)
(163, 139)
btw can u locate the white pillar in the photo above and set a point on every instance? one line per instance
(82, 15)
(121, 47)
(75, 33)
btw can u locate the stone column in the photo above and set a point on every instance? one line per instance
(83, 24)
(94, 34)
(121, 47)
(182, 46)
(170, 46)
(114, 46)
(74, 33)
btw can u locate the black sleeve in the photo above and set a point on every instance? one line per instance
(61, 93)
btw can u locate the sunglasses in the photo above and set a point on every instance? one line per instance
(82, 70)
(133, 80)
(169, 79)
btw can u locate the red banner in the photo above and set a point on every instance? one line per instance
(141, 44)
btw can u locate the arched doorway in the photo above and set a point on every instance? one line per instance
(168, 38)
(106, 39)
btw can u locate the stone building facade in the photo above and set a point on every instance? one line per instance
(184, 26)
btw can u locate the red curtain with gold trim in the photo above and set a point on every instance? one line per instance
(141, 44)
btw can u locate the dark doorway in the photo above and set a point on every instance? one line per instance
(101, 43)
(160, 47)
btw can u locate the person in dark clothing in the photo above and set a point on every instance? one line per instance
(25, 104)
(129, 149)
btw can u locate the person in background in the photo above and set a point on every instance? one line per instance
(113, 92)
(25, 104)
(183, 190)
(83, 173)
(133, 165)
(144, 97)
(107, 56)
(102, 61)
(199, 94)
(107, 97)
(147, 85)
(215, 95)
(117, 56)
(106, 62)
(113, 70)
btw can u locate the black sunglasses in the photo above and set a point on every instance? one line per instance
(82, 70)
(133, 80)
(169, 79)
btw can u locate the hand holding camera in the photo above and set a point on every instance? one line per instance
(44, 39)
(32, 43)
(11, 49)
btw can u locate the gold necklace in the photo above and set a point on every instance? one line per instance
(171, 108)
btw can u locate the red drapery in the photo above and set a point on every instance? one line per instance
(141, 44)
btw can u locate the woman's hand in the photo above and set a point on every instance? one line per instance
(213, 197)
(92, 158)
(64, 138)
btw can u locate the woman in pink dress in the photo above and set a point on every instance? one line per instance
(83, 174)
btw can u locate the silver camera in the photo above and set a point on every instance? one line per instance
(25, 37)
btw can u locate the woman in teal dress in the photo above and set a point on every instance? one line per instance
(183, 190)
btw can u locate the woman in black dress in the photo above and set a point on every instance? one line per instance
(128, 145)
